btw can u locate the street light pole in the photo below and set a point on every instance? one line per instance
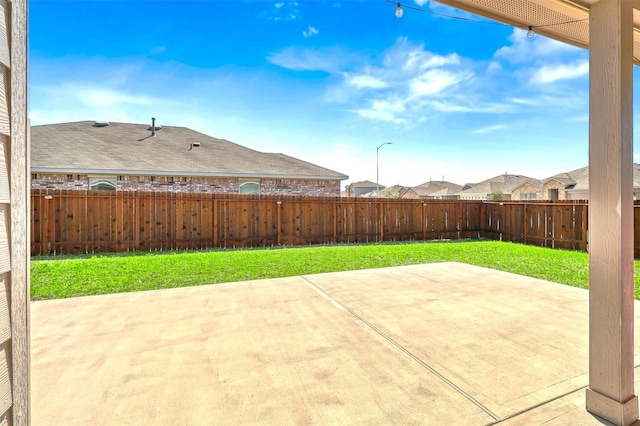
(377, 166)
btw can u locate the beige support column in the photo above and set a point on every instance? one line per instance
(611, 391)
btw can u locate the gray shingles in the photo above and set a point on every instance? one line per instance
(122, 147)
(504, 183)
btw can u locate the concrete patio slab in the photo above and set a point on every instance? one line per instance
(507, 341)
(427, 344)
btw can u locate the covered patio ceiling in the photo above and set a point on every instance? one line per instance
(563, 20)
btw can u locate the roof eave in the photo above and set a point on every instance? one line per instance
(183, 173)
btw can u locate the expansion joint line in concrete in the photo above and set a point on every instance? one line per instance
(533, 407)
(401, 348)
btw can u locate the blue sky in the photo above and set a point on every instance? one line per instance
(323, 81)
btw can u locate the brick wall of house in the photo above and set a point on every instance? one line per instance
(59, 181)
(192, 184)
(300, 187)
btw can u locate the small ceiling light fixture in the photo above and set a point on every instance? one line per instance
(399, 11)
(531, 34)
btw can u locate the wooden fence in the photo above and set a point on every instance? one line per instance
(109, 221)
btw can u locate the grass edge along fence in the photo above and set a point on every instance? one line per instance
(69, 222)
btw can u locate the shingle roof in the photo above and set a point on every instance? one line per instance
(127, 148)
(365, 184)
(504, 183)
(578, 179)
(439, 187)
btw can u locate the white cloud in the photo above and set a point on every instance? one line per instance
(414, 58)
(550, 74)
(398, 87)
(379, 115)
(364, 81)
(434, 82)
(281, 12)
(489, 129)
(522, 49)
(493, 66)
(296, 59)
(407, 84)
(75, 102)
(310, 32)
(384, 110)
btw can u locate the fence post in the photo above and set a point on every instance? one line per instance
(381, 213)
(460, 220)
(524, 223)
(335, 222)
(136, 220)
(424, 222)
(483, 219)
(278, 219)
(215, 222)
(53, 212)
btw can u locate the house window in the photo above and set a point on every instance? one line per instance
(533, 196)
(69, 178)
(524, 196)
(250, 188)
(102, 183)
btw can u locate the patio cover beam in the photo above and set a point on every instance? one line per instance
(612, 35)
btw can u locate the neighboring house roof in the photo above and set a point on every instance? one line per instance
(129, 149)
(537, 184)
(395, 191)
(578, 179)
(440, 187)
(365, 184)
(504, 183)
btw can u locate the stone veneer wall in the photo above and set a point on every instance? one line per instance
(527, 188)
(191, 184)
(554, 184)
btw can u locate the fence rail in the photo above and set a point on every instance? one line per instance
(65, 222)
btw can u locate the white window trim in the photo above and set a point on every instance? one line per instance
(96, 179)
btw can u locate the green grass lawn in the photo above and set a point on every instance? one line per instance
(60, 277)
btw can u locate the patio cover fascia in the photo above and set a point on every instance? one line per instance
(563, 20)
(610, 29)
